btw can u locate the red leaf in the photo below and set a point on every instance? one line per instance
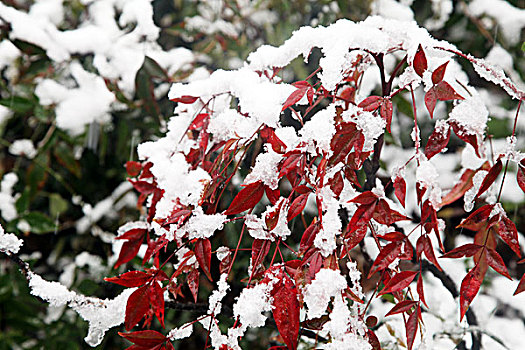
(193, 283)
(363, 214)
(367, 197)
(286, 311)
(156, 298)
(297, 206)
(426, 247)
(420, 61)
(469, 289)
(508, 232)
(386, 256)
(355, 236)
(348, 94)
(490, 177)
(133, 235)
(411, 327)
(203, 255)
(430, 101)
(466, 135)
(128, 251)
(437, 141)
(133, 168)
(420, 290)
(399, 282)
(294, 97)
(272, 195)
(307, 240)
(345, 139)
(143, 187)
(186, 99)
(372, 339)
(521, 286)
(468, 249)
(402, 306)
(268, 134)
(371, 103)
(521, 175)
(260, 249)
(386, 112)
(386, 216)
(246, 199)
(477, 219)
(147, 338)
(496, 262)
(137, 307)
(439, 73)
(130, 279)
(445, 92)
(400, 189)
(459, 189)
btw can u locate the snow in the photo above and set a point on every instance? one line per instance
(265, 169)
(392, 9)
(326, 284)
(252, 303)
(472, 115)
(201, 226)
(23, 147)
(7, 200)
(182, 332)
(9, 243)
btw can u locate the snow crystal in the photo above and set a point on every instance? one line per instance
(469, 159)
(182, 332)
(23, 147)
(222, 253)
(471, 193)
(7, 201)
(326, 284)
(320, 129)
(202, 225)
(216, 297)
(265, 169)
(471, 114)
(8, 53)
(252, 303)
(230, 124)
(9, 243)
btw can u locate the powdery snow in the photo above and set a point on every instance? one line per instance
(9, 243)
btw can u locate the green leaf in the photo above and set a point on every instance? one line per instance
(18, 104)
(65, 157)
(523, 47)
(40, 223)
(57, 205)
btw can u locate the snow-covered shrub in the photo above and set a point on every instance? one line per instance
(351, 179)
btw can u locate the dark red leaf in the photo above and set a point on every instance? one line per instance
(203, 255)
(438, 140)
(147, 338)
(386, 256)
(128, 251)
(345, 139)
(156, 295)
(294, 97)
(424, 244)
(496, 262)
(430, 101)
(362, 215)
(297, 206)
(372, 339)
(469, 289)
(268, 134)
(509, 234)
(490, 177)
(402, 306)
(355, 236)
(193, 283)
(386, 216)
(399, 282)
(316, 262)
(411, 327)
(421, 290)
(186, 99)
(420, 61)
(367, 197)
(348, 94)
(286, 311)
(133, 235)
(465, 250)
(307, 240)
(371, 103)
(130, 279)
(272, 195)
(246, 199)
(143, 187)
(133, 168)
(521, 175)
(260, 249)
(439, 73)
(521, 285)
(400, 189)
(477, 219)
(466, 135)
(137, 307)
(386, 112)
(445, 92)
(459, 189)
